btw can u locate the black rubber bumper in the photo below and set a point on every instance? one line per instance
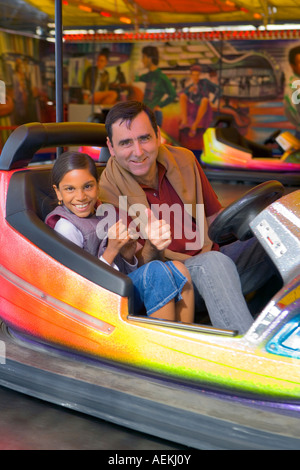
(218, 174)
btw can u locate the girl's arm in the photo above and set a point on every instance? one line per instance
(68, 230)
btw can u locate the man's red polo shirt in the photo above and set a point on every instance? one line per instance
(167, 195)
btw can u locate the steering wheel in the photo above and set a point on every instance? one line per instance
(233, 222)
(272, 138)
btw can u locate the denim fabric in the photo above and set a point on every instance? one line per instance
(216, 281)
(155, 284)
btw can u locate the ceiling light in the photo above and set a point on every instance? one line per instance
(125, 19)
(85, 8)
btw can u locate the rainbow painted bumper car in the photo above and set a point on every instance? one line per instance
(68, 335)
(225, 148)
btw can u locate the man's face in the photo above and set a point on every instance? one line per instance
(296, 65)
(101, 62)
(195, 76)
(147, 62)
(135, 148)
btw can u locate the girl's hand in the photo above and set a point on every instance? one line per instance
(119, 241)
(128, 250)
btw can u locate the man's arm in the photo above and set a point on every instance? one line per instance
(210, 199)
(149, 253)
(169, 91)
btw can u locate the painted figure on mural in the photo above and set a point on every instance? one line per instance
(120, 78)
(24, 94)
(6, 102)
(119, 84)
(20, 93)
(195, 106)
(159, 90)
(292, 90)
(96, 82)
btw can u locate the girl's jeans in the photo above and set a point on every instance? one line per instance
(155, 284)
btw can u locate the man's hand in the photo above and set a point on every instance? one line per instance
(158, 232)
(158, 237)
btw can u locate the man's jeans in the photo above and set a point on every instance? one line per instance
(221, 279)
(253, 264)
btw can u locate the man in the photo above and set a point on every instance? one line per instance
(158, 176)
(159, 90)
(6, 102)
(96, 82)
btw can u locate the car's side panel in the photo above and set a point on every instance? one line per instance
(48, 300)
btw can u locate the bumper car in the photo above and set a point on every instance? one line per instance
(68, 335)
(225, 149)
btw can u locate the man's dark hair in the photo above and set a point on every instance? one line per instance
(127, 111)
(104, 51)
(152, 52)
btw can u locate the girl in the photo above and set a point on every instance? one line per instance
(164, 289)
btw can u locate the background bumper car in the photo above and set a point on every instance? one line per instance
(227, 150)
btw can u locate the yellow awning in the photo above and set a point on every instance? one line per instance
(141, 13)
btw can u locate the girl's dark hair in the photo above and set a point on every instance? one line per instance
(72, 160)
(127, 111)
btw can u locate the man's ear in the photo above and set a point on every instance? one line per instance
(158, 135)
(110, 147)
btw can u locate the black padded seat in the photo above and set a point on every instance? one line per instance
(231, 136)
(30, 198)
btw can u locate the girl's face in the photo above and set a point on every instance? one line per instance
(78, 190)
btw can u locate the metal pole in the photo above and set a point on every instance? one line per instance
(220, 72)
(59, 66)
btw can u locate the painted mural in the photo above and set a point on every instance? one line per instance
(246, 80)
(188, 84)
(21, 84)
